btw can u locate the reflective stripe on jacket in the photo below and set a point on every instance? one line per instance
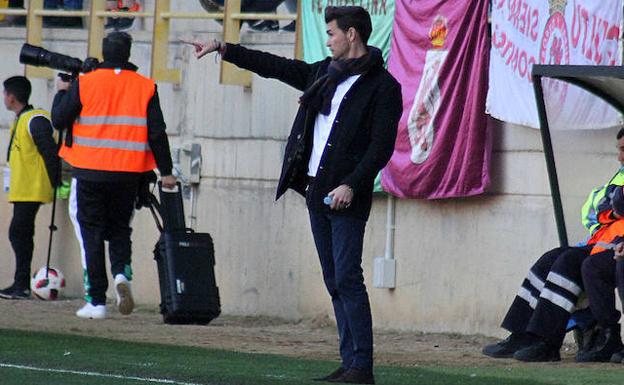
(111, 132)
(609, 233)
(29, 176)
(598, 201)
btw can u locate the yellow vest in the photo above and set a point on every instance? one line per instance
(29, 177)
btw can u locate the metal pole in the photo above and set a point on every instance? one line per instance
(390, 215)
(384, 268)
(53, 228)
(193, 216)
(550, 161)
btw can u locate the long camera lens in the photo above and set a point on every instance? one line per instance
(32, 55)
(41, 57)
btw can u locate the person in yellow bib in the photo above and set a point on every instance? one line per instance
(32, 164)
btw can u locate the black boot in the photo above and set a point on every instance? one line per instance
(356, 376)
(618, 358)
(540, 351)
(332, 376)
(507, 347)
(607, 343)
(585, 339)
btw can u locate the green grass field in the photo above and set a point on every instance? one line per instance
(56, 359)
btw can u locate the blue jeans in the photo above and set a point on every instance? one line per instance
(339, 242)
(67, 4)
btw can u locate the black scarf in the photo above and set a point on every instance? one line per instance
(320, 94)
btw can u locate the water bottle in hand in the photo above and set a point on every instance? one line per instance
(328, 200)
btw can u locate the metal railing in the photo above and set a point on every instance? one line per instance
(232, 18)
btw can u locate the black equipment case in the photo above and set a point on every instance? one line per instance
(185, 260)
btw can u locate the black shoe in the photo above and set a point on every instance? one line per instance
(21, 294)
(332, 376)
(507, 347)
(617, 358)
(538, 351)
(606, 344)
(585, 339)
(356, 376)
(12, 292)
(290, 27)
(264, 25)
(8, 292)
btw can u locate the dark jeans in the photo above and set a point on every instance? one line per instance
(619, 278)
(599, 277)
(21, 233)
(103, 211)
(339, 241)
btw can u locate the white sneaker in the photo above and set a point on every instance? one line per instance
(125, 302)
(92, 311)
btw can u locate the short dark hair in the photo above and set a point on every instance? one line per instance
(18, 86)
(116, 47)
(347, 17)
(620, 133)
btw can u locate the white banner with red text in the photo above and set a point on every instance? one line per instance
(559, 32)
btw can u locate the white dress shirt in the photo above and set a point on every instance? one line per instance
(324, 123)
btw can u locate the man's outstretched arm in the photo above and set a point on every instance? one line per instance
(295, 73)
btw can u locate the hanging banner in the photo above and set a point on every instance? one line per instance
(526, 32)
(439, 55)
(314, 26)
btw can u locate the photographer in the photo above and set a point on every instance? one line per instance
(118, 134)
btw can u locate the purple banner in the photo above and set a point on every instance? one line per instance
(439, 54)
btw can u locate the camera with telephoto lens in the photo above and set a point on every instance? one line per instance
(41, 57)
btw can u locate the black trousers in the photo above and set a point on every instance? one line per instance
(548, 295)
(599, 276)
(102, 211)
(619, 278)
(21, 233)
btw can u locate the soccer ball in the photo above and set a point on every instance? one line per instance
(49, 288)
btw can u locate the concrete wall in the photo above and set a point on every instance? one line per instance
(459, 262)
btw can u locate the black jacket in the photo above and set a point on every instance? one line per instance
(362, 138)
(66, 108)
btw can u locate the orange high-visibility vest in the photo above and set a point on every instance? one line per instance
(111, 132)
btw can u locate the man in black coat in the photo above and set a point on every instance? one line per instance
(342, 136)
